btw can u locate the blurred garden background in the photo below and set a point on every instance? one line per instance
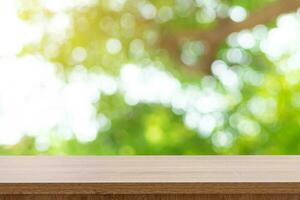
(141, 77)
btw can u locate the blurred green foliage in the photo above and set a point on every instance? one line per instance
(263, 112)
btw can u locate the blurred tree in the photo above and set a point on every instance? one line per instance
(232, 94)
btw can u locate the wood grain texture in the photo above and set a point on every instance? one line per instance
(152, 197)
(150, 175)
(150, 169)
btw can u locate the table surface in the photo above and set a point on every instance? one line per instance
(119, 169)
(198, 173)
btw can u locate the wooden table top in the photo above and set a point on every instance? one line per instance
(104, 174)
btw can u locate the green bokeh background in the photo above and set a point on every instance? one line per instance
(154, 128)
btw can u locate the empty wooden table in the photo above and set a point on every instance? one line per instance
(150, 177)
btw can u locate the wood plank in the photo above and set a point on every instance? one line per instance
(153, 197)
(150, 175)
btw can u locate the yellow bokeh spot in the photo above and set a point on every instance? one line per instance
(154, 135)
